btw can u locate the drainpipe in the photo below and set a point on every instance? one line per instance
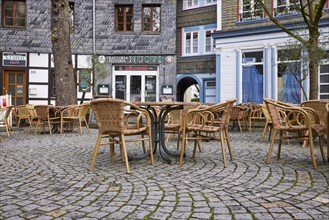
(94, 45)
(94, 31)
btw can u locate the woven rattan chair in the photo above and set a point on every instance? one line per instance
(75, 113)
(22, 113)
(47, 115)
(293, 120)
(268, 122)
(175, 122)
(255, 115)
(320, 107)
(239, 115)
(111, 121)
(4, 120)
(203, 121)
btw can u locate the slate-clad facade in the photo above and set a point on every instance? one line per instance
(142, 61)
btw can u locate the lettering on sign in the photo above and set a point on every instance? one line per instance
(135, 59)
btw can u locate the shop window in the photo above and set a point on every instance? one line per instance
(250, 10)
(289, 73)
(286, 7)
(211, 2)
(14, 13)
(124, 18)
(252, 77)
(151, 18)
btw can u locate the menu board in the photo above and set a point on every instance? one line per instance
(120, 87)
(84, 81)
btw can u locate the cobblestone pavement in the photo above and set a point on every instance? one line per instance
(47, 177)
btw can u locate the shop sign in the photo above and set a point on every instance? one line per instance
(135, 59)
(14, 59)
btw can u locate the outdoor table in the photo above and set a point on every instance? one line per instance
(158, 123)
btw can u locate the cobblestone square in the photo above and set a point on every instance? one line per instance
(47, 177)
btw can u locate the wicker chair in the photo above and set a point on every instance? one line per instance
(201, 122)
(175, 121)
(47, 114)
(111, 121)
(5, 113)
(75, 113)
(255, 114)
(293, 120)
(320, 107)
(239, 115)
(268, 122)
(22, 113)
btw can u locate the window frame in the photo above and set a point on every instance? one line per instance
(285, 61)
(287, 6)
(324, 62)
(124, 18)
(212, 41)
(194, 4)
(252, 11)
(14, 11)
(191, 33)
(152, 7)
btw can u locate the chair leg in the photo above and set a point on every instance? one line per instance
(239, 126)
(321, 149)
(178, 139)
(263, 133)
(124, 151)
(80, 126)
(183, 148)
(143, 144)
(87, 126)
(227, 137)
(310, 137)
(222, 147)
(271, 147)
(195, 143)
(279, 146)
(112, 151)
(95, 152)
(151, 146)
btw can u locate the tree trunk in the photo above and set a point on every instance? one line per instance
(65, 78)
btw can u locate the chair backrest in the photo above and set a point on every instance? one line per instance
(227, 114)
(319, 106)
(109, 114)
(266, 113)
(83, 110)
(42, 111)
(22, 111)
(280, 114)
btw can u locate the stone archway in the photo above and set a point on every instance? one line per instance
(183, 85)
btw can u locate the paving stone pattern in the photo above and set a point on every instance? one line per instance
(47, 177)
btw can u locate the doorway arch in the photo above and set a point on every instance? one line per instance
(183, 84)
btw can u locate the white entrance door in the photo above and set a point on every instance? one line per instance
(135, 86)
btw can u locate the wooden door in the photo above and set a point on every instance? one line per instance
(15, 84)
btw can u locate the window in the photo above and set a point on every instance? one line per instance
(250, 10)
(285, 7)
(211, 2)
(151, 18)
(71, 5)
(14, 13)
(209, 41)
(191, 43)
(252, 77)
(124, 18)
(289, 72)
(188, 4)
(324, 79)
